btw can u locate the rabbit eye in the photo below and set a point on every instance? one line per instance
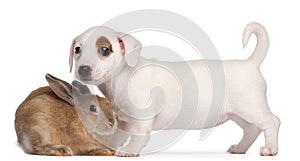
(93, 108)
(77, 50)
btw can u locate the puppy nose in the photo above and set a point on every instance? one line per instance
(84, 71)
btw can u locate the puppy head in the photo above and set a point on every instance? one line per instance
(99, 50)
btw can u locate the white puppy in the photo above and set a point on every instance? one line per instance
(111, 61)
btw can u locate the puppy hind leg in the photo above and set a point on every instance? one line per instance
(251, 132)
(270, 129)
(265, 121)
(252, 106)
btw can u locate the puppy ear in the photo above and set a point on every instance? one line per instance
(61, 88)
(131, 48)
(71, 55)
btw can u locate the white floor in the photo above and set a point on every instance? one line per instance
(189, 147)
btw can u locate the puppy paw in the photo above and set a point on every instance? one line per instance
(268, 151)
(121, 152)
(234, 149)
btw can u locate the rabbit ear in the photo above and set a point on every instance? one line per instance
(71, 55)
(61, 88)
(80, 88)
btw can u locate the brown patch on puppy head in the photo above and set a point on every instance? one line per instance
(103, 42)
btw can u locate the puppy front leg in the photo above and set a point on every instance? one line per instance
(118, 139)
(139, 136)
(135, 145)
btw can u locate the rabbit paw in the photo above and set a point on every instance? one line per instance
(101, 152)
(56, 150)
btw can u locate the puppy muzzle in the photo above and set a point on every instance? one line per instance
(85, 72)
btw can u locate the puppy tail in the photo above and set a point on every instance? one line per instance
(262, 43)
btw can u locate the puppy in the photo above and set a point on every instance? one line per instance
(111, 60)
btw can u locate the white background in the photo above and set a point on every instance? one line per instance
(35, 38)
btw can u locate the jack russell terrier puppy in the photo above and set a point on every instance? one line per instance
(111, 60)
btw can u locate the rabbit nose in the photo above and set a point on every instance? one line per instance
(85, 71)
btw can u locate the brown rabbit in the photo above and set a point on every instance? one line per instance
(47, 122)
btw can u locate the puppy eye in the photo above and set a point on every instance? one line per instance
(77, 50)
(103, 50)
(93, 108)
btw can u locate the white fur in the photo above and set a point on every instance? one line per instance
(245, 91)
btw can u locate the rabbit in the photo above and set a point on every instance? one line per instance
(52, 121)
